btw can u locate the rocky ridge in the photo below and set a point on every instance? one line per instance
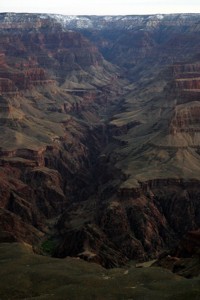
(99, 133)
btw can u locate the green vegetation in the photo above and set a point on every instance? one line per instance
(25, 275)
(48, 246)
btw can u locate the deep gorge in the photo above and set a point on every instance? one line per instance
(99, 143)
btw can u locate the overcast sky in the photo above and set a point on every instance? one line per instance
(101, 7)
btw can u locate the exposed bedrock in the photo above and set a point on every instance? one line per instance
(101, 160)
(133, 225)
(6, 85)
(29, 196)
(185, 258)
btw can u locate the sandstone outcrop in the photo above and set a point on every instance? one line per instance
(100, 156)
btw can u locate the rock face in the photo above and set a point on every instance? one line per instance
(47, 80)
(99, 133)
(184, 259)
(135, 226)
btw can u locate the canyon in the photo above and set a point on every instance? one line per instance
(100, 136)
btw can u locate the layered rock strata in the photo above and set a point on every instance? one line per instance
(101, 160)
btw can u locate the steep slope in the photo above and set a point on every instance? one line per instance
(53, 85)
(184, 259)
(99, 159)
(150, 199)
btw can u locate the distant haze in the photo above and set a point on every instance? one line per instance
(101, 7)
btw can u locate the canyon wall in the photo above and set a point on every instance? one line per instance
(99, 134)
